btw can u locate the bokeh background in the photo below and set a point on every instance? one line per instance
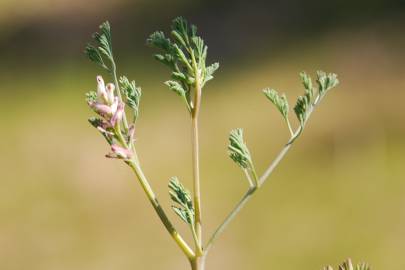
(339, 193)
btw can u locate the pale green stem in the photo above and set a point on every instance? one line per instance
(289, 127)
(198, 263)
(196, 182)
(260, 181)
(159, 210)
(247, 196)
(230, 217)
(249, 178)
(196, 156)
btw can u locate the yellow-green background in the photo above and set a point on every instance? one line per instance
(339, 193)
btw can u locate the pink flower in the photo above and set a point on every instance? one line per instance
(104, 126)
(119, 152)
(102, 109)
(117, 117)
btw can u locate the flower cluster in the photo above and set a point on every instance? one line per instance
(111, 110)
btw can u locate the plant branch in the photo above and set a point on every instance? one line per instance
(262, 179)
(230, 217)
(159, 210)
(247, 196)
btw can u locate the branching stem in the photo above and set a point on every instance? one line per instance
(159, 210)
(260, 181)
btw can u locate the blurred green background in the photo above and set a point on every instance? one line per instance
(338, 193)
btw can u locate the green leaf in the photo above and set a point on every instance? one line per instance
(91, 97)
(179, 76)
(180, 27)
(280, 102)
(238, 151)
(307, 82)
(209, 72)
(132, 94)
(326, 82)
(185, 54)
(301, 109)
(176, 87)
(158, 40)
(103, 46)
(94, 55)
(181, 196)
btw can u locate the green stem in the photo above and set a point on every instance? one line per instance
(247, 196)
(195, 156)
(262, 179)
(196, 182)
(159, 210)
(198, 263)
(231, 216)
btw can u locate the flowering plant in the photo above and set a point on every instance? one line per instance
(185, 55)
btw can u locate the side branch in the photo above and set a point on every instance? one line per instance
(230, 217)
(159, 210)
(252, 190)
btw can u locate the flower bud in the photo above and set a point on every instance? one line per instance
(102, 109)
(119, 152)
(110, 93)
(101, 91)
(117, 117)
(114, 106)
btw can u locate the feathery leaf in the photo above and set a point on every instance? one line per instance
(280, 102)
(181, 196)
(176, 87)
(103, 46)
(237, 149)
(132, 94)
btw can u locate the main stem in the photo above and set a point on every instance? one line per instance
(198, 263)
(196, 169)
(196, 177)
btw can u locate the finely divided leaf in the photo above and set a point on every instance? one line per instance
(176, 87)
(307, 82)
(181, 196)
(209, 72)
(158, 40)
(301, 109)
(103, 46)
(238, 150)
(326, 81)
(186, 55)
(132, 94)
(306, 102)
(279, 101)
(94, 55)
(91, 97)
